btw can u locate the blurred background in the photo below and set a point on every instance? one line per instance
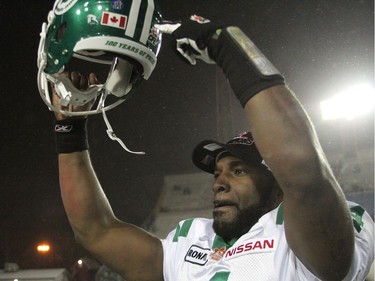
(325, 49)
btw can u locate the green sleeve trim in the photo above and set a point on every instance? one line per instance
(182, 231)
(220, 276)
(357, 214)
(280, 215)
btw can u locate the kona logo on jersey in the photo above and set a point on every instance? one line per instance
(197, 255)
(114, 20)
(63, 5)
(251, 247)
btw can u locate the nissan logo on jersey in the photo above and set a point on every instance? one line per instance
(252, 246)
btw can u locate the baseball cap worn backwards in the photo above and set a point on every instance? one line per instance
(206, 154)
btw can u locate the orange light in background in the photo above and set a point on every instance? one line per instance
(43, 248)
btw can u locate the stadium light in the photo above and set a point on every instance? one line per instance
(355, 101)
(43, 248)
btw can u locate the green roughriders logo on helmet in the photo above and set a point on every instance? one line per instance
(61, 6)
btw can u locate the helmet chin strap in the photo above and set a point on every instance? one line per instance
(110, 132)
(118, 84)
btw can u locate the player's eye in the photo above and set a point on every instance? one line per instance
(239, 171)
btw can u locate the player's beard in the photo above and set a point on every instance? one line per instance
(241, 224)
(248, 216)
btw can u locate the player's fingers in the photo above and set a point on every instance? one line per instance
(83, 83)
(75, 77)
(79, 81)
(66, 74)
(93, 80)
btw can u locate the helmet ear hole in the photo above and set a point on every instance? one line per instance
(137, 70)
(61, 31)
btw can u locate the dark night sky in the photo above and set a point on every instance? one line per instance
(320, 46)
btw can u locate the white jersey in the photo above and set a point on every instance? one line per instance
(193, 252)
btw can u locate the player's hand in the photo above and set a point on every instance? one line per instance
(191, 37)
(81, 83)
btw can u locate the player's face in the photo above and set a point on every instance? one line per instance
(242, 194)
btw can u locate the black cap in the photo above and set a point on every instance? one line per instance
(208, 152)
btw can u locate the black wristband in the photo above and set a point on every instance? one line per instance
(246, 68)
(71, 135)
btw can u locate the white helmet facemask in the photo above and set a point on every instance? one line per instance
(71, 96)
(117, 84)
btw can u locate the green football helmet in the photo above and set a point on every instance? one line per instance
(116, 33)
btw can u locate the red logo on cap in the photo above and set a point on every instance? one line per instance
(243, 135)
(243, 138)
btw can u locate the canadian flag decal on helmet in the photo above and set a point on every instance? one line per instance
(114, 20)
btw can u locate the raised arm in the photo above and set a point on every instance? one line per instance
(127, 249)
(317, 220)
